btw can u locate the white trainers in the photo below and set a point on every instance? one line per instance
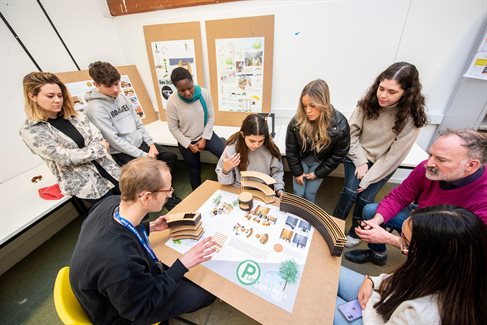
(351, 242)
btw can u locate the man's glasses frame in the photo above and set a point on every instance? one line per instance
(171, 190)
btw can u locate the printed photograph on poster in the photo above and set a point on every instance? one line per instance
(169, 55)
(240, 73)
(79, 89)
(273, 242)
(478, 66)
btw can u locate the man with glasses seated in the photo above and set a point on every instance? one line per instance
(114, 272)
(454, 174)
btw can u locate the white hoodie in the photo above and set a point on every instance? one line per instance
(118, 122)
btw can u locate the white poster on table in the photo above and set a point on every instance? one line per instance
(169, 55)
(262, 250)
(240, 73)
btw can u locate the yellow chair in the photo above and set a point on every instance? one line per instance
(67, 305)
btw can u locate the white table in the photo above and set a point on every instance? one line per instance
(21, 206)
(161, 135)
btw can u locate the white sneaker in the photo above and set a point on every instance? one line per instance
(351, 242)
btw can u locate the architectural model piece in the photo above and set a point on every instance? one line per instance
(180, 219)
(259, 176)
(258, 184)
(322, 221)
(259, 195)
(185, 226)
(245, 201)
(261, 187)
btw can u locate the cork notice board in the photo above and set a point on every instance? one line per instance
(261, 26)
(137, 84)
(173, 32)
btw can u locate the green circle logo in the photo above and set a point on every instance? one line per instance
(248, 272)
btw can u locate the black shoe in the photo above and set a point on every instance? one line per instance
(171, 203)
(361, 256)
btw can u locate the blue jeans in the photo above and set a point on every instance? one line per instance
(349, 195)
(395, 223)
(309, 189)
(214, 145)
(348, 286)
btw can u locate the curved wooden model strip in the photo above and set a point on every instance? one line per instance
(259, 195)
(322, 221)
(261, 187)
(263, 177)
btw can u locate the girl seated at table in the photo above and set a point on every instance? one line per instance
(441, 282)
(251, 149)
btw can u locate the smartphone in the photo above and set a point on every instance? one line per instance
(362, 223)
(351, 310)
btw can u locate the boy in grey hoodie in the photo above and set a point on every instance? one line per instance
(111, 112)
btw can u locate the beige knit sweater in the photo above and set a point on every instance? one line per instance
(374, 140)
(186, 122)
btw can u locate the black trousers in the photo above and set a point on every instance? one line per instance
(164, 154)
(187, 298)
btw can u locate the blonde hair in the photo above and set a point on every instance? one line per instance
(316, 131)
(141, 174)
(33, 82)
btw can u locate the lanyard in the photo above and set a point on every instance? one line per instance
(144, 243)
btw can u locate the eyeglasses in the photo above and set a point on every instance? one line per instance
(165, 191)
(171, 190)
(404, 244)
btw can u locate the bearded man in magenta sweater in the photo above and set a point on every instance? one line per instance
(454, 174)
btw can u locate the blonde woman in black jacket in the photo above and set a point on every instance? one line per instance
(317, 139)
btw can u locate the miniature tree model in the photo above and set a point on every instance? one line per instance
(288, 270)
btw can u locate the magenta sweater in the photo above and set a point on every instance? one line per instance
(417, 188)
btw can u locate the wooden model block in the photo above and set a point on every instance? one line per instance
(245, 201)
(260, 176)
(185, 227)
(180, 219)
(261, 196)
(188, 235)
(261, 187)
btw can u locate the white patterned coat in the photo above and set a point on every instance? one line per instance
(72, 166)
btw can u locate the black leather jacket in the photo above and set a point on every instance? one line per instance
(330, 156)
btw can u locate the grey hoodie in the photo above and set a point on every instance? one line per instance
(118, 122)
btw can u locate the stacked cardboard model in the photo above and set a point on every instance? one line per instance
(185, 226)
(257, 184)
(318, 218)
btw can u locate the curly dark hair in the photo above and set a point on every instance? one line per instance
(179, 74)
(411, 102)
(104, 73)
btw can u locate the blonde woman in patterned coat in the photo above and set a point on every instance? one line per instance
(72, 147)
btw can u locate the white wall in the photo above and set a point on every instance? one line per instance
(347, 43)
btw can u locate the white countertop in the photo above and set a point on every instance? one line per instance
(161, 135)
(21, 204)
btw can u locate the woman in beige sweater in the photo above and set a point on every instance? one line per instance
(383, 129)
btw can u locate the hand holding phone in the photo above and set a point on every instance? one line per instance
(363, 224)
(351, 310)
